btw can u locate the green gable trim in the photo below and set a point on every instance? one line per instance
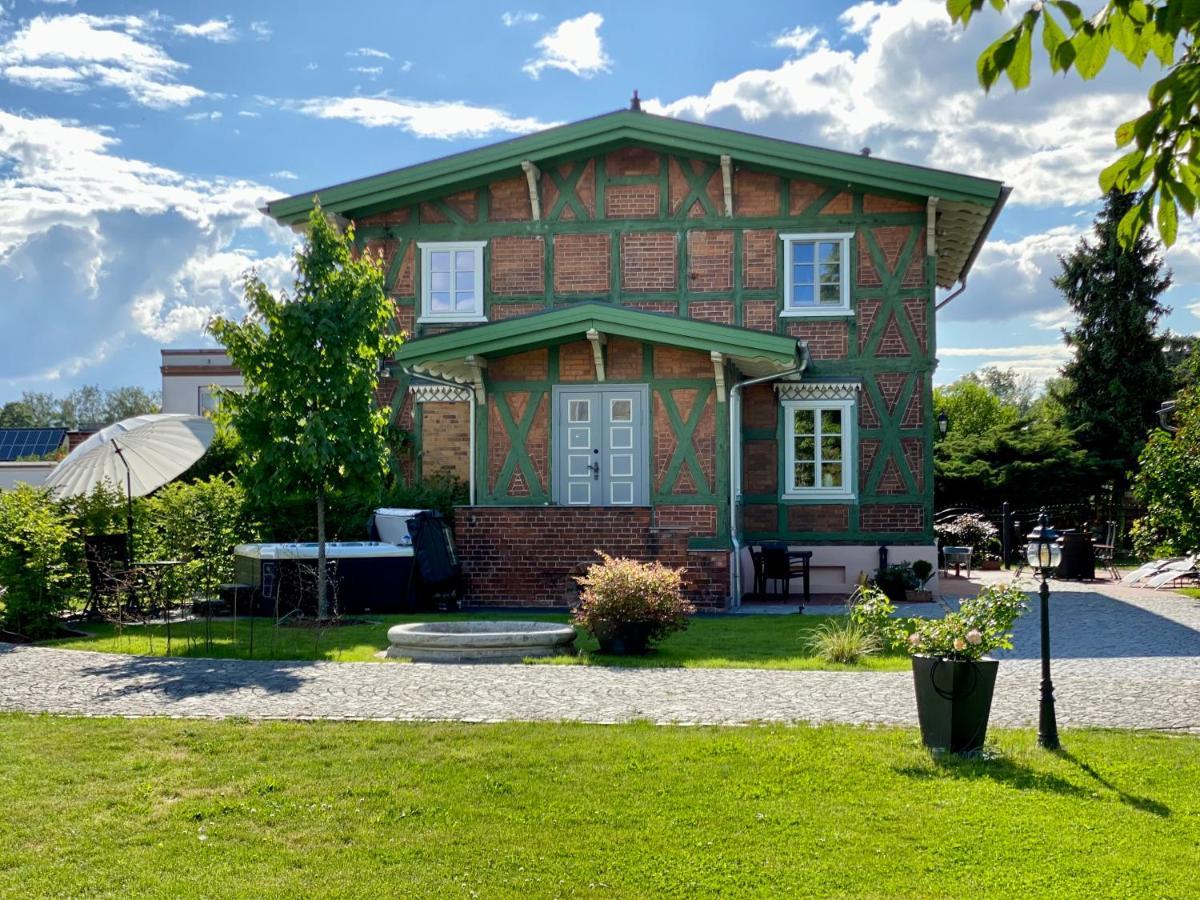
(626, 127)
(573, 322)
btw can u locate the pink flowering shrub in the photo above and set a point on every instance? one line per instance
(980, 624)
(623, 594)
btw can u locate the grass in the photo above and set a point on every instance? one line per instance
(159, 807)
(767, 642)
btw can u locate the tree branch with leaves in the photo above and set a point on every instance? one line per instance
(1161, 161)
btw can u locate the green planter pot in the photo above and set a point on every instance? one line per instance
(954, 701)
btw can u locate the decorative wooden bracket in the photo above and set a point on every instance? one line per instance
(718, 362)
(597, 340)
(931, 226)
(532, 175)
(727, 182)
(477, 364)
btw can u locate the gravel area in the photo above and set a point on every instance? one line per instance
(1127, 659)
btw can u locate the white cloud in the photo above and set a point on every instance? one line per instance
(406, 66)
(795, 39)
(369, 52)
(78, 52)
(249, 114)
(520, 17)
(369, 71)
(900, 77)
(219, 31)
(1040, 361)
(574, 46)
(261, 31)
(210, 116)
(285, 174)
(129, 253)
(441, 119)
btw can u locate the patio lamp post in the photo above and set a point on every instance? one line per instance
(1043, 555)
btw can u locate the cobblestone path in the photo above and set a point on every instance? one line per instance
(1120, 662)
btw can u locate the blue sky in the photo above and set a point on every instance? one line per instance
(137, 141)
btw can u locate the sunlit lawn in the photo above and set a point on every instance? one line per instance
(171, 808)
(771, 642)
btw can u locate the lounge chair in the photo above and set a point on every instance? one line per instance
(1183, 570)
(1150, 569)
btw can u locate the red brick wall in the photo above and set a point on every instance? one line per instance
(759, 259)
(759, 314)
(581, 263)
(803, 194)
(679, 188)
(518, 266)
(873, 203)
(631, 201)
(509, 560)
(632, 161)
(898, 517)
(585, 190)
(710, 261)
(648, 261)
(624, 361)
(719, 311)
(576, 362)
(501, 311)
(823, 519)
(463, 203)
(508, 200)
(755, 193)
(826, 340)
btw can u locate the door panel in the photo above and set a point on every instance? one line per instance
(600, 446)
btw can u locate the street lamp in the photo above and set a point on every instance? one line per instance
(1043, 555)
(943, 421)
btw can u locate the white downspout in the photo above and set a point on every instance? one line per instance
(735, 465)
(470, 425)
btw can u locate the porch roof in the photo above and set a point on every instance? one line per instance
(456, 355)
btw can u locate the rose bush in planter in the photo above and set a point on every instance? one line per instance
(954, 680)
(629, 605)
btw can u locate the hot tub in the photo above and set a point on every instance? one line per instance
(371, 576)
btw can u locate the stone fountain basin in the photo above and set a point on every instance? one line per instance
(469, 641)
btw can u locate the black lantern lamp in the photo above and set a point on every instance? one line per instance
(943, 421)
(1043, 555)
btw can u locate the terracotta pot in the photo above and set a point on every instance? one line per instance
(990, 565)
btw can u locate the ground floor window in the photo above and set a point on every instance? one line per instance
(819, 449)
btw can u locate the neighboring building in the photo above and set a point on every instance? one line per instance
(664, 340)
(190, 376)
(24, 452)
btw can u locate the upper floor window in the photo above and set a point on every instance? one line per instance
(816, 274)
(819, 449)
(452, 281)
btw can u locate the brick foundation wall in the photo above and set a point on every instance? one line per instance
(898, 517)
(526, 556)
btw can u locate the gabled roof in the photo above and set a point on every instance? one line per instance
(968, 204)
(445, 355)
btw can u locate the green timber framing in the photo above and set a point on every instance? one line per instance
(755, 352)
(561, 154)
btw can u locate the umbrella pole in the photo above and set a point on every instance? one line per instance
(128, 499)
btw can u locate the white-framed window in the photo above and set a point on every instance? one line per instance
(816, 274)
(819, 449)
(452, 281)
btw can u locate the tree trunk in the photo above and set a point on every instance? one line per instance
(322, 580)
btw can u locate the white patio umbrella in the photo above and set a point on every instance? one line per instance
(142, 453)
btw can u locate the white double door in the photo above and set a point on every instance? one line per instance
(600, 442)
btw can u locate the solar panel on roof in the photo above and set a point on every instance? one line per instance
(18, 443)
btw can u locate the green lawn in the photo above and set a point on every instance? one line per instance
(768, 642)
(176, 808)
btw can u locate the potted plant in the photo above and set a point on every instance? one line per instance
(922, 570)
(896, 581)
(629, 605)
(953, 678)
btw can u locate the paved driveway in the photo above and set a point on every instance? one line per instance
(1122, 658)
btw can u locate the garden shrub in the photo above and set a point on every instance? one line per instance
(441, 491)
(923, 570)
(35, 570)
(896, 579)
(842, 641)
(968, 530)
(872, 612)
(623, 594)
(198, 522)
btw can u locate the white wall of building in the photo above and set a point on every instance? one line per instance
(188, 377)
(14, 473)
